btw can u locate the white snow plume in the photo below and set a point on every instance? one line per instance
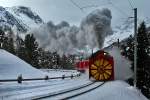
(66, 39)
(96, 26)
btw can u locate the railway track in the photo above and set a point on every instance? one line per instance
(71, 93)
(78, 94)
(47, 87)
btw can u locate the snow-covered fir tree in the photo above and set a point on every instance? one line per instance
(143, 68)
(2, 36)
(31, 47)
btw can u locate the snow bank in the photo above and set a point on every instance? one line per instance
(12, 66)
(60, 72)
(121, 64)
(116, 90)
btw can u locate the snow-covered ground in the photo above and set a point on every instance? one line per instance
(116, 90)
(11, 66)
(28, 90)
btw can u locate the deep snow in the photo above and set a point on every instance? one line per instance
(121, 64)
(11, 66)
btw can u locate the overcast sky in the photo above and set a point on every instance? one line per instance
(58, 10)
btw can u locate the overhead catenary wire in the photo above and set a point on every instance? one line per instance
(74, 3)
(117, 8)
(109, 2)
(89, 6)
(130, 4)
(93, 6)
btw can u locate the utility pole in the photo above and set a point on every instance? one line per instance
(135, 46)
(118, 43)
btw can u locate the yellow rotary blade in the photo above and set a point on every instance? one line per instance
(97, 63)
(106, 76)
(101, 77)
(105, 63)
(96, 76)
(108, 71)
(93, 66)
(108, 66)
(93, 72)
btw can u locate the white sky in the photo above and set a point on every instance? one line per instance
(58, 10)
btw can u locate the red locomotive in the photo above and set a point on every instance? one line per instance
(100, 64)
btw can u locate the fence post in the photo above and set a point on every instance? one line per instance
(46, 77)
(79, 74)
(63, 76)
(71, 76)
(19, 79)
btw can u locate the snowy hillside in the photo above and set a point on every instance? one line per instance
(20, 17)
(26, 15)
(113, 38)
(12, 66)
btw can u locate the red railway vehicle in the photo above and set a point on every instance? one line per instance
(101, 66)
(82, 65)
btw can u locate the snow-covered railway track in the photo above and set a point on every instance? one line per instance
(81, 93)
(50, 88)
(73, 92)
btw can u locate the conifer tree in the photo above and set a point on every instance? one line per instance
(1, 38)
(143, 68)
(20, 49)
(31, 47)
(9, 42)
(142, 59)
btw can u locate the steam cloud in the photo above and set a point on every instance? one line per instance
(66, 39)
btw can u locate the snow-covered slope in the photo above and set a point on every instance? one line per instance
(120, 31)
(113, 38)
(26, 15)
(23, 18)
(12, 66)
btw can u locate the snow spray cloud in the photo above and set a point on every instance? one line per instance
(97, 25)
(66, 39)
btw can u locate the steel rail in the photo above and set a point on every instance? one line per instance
(70, 90)
(63, 91)
(78, 94)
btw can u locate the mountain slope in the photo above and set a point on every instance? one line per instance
(23, 18)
